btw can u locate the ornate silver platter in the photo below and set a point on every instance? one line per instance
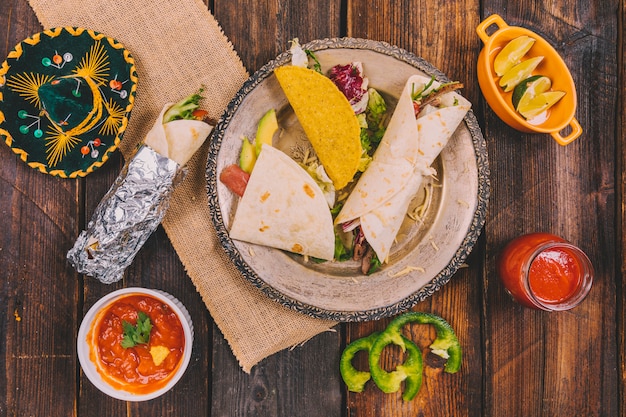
(426, 254)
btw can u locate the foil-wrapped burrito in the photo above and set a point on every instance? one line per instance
(137, 202)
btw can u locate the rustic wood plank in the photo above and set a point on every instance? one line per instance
(621, 198)
(517, 362)
(39, 290)
(305, 380)
(540, 186)
(444, 36)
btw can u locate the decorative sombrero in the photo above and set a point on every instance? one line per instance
(65, 99)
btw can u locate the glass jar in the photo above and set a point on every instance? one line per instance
(544, 271)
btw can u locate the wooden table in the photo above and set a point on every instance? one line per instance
(517, 362)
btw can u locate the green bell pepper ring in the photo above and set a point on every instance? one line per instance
(446, 345)
(355, 379)
(410, 371)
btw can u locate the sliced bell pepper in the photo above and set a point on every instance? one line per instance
(355, 379)
(410, 371)
(446, 345)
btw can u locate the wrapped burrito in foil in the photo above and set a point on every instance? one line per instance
(136, 203)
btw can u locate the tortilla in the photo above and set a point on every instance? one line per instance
(284, 208)
(327, 119)
(403, 159)
(177, 140)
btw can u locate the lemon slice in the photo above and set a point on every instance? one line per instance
(512, 53)
(539, 104)
(529, 88)
(518, 73)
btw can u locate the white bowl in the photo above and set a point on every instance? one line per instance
(90, 368)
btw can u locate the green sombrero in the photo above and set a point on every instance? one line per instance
(65, 99)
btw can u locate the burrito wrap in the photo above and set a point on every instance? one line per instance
(403, 159)
(137, 201)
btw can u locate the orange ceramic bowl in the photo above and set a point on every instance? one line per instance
(561, 115)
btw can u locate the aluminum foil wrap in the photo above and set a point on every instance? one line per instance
(127, 215)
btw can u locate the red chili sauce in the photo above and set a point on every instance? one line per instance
(554, 275)
(542, 270)
(133, 369)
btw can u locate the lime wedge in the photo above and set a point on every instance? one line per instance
(518, 73)
(539, 104)
(512, 53)
(529, 88)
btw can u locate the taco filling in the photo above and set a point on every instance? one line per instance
(349, 199)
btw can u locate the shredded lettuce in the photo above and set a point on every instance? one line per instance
(184, 108)
(376, 110)
(298, 56)
(316, 171)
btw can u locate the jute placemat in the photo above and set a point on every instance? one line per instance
(177, 49)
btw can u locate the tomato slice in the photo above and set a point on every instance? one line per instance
(235, 178)
(199, 114)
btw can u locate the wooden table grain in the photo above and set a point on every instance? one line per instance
(517, 362)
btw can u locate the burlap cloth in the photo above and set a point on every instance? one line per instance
(178, 46)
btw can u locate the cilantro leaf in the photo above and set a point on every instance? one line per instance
(139, 334)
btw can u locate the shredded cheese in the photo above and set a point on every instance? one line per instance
(407, 270)
(463, 203)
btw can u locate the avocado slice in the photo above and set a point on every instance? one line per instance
(268, 125)
(247, 157)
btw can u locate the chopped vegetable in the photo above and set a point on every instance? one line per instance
(355, 379)
(235, 179)
(446, 345)
(426, 95)
(268, 125)
(316, 65)
(298, 56)
(352, 83)
(376, 111)
(138, 334)
(248, 155)
(410, 371)
(184, 109)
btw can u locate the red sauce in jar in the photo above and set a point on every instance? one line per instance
(543, 271)
(133, 369)
(554, 275)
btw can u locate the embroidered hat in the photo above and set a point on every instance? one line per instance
(65, 99)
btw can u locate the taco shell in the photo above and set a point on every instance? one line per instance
(327, 119)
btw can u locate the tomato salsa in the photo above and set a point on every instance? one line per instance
(544, 271)
(145, 367)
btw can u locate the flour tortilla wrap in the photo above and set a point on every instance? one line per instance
(179, 139)
(382, 195)
(284, 208)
